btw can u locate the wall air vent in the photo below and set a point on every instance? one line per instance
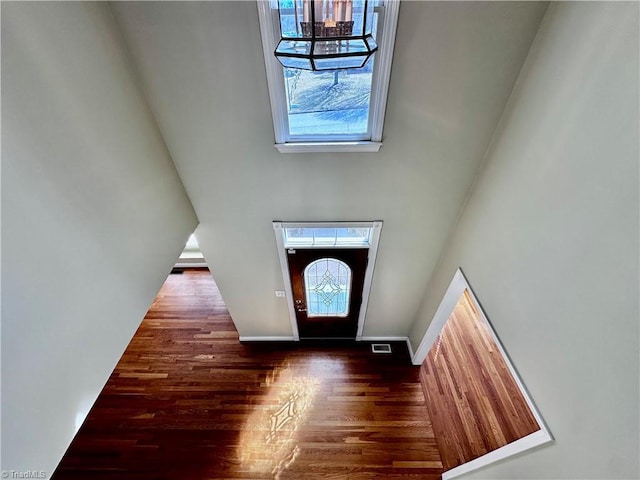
(381, 348)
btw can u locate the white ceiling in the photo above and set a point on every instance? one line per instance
(201, 69)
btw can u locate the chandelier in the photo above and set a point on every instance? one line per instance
(325, 34)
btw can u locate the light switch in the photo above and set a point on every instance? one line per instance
(279, 293)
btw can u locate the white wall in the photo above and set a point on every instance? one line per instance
(202, 66)
(549, 242)
(93, 217)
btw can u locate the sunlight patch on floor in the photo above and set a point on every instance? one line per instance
(268, 443)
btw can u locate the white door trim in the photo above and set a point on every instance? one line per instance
(522, 444)
(376, 229)
(284, 268)
(456, 288)
(452, 295)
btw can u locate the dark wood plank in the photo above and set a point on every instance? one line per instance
(189, 401)
(474, 402)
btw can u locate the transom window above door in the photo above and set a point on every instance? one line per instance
(328, 111)
(351, 236)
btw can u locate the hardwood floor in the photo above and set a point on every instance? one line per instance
(474, 402)
(188, 401)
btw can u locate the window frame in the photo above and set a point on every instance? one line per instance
(336, 242)
(270, 31)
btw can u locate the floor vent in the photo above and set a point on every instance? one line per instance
(381, 348)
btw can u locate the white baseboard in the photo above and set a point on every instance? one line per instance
(382, 339)
(267, 339)
(190, 265)
(363, 339)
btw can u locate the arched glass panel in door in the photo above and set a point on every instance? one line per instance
(328, 288)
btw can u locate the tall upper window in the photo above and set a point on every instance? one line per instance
(329, 103)
(341, 110)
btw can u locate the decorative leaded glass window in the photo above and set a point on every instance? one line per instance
(328, 288)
